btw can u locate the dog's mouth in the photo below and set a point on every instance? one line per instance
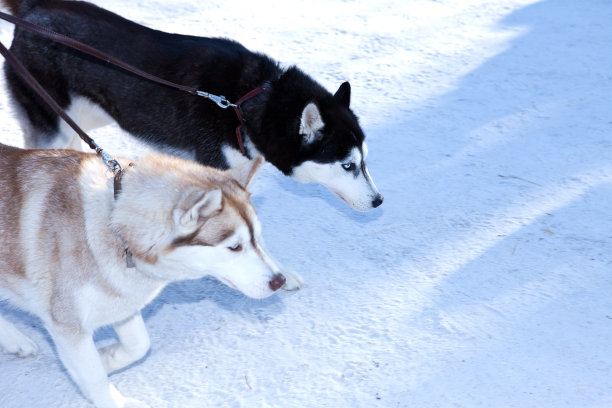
(351, 203)
(228, 283)
(356, 205)
(340, 196)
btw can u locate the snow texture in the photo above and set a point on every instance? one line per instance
(484, 280)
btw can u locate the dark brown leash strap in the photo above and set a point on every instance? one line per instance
(62, 39)
(221, 101)
(25, 74)
(110, 162)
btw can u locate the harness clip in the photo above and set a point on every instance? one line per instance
(108, 160)
(221, 101)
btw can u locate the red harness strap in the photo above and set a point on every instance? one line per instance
(241, 118)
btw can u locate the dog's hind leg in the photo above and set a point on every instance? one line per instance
(40, 125)
(87, 115)
(133, 344)
(80, 357)
(15, 342)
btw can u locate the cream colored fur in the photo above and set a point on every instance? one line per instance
(63, 250)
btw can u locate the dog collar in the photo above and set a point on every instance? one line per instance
(129, 260)
(240, 114)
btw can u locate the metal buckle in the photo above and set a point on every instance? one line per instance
(108, 160)
(221, 101)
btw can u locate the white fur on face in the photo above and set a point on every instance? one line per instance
(354, 187)
(248, 270)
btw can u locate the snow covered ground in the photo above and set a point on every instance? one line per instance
(484, 280)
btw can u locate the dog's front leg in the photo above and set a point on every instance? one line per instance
(133, 344)
(82, 361)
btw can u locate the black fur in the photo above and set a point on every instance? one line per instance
(167, 117)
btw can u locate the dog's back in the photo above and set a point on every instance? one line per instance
(41, 212)
(95, 93)
(11, 193)
(52, 196)
(18, 7)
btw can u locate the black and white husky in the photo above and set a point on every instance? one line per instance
(295, 124)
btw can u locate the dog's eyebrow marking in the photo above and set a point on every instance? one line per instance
(217, 239)
(193, 239)
(185, 239)
(245, 217)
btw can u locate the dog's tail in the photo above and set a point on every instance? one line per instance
(21, 7)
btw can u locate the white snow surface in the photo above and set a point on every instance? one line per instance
(484, 280)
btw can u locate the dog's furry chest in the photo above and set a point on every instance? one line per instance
(85, 307)
(98, 307)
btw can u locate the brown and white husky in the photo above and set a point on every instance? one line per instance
(79, 259)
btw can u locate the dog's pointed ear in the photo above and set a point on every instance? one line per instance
(244, 173)
(343, 94)
(204, 206)
(311, 124)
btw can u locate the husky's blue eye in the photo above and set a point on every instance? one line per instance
(235, 248)
(348, 166)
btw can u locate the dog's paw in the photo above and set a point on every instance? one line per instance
(123, 402)
(133, 403)
(293, 281)
(19, 344)
(116, 356)
(109, 358)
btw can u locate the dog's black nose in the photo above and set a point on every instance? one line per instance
(377, 201)
(277, 282)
